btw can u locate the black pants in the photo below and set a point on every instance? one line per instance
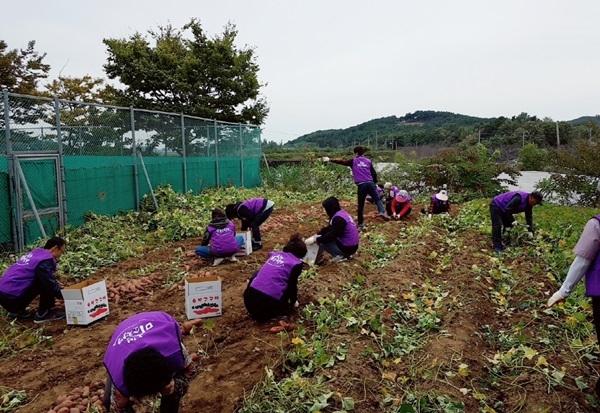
(263, 307)
(15, 304)
(499, 220)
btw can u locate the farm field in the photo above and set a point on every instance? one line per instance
(426, 318)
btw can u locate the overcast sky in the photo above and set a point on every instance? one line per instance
(335, 64)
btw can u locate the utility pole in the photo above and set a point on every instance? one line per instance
(375, 139)
(479, 132)
(557, 136)
(523, 138)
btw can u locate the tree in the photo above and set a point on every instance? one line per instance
(204, 77)
(198, 76)
(87, 129)
(21, 70)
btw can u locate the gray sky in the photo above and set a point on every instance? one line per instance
(335, 64)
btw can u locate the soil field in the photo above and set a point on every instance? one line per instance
(234, 352)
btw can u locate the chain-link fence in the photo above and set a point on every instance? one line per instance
(60, 159)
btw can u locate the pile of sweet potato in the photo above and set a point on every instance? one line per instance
(133, 289)
(86, 399)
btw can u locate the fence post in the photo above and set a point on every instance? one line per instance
(11, 175)
(183, 154)
(217, 155)
(64, 212)
(133, 153)
(241, 156)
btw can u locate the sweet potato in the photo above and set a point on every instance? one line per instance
(86, 391)
(138, 298)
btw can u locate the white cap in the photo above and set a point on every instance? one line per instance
(442, 195)
(387, 185)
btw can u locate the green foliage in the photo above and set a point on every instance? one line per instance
(580, 178)
(11, 399)
(470, 171)
(532, 158)
(186, 71)
(22, 70)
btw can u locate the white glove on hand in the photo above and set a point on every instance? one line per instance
(325, 159)
(310, 240)
(429, 216)
(514, 223)
(557, 297)
(530, 235)
(296, 304)
(395, 215)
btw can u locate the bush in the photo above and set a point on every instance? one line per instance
(532, 158)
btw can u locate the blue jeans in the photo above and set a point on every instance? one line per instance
(364, 189)
(204, 250)
(332, 248)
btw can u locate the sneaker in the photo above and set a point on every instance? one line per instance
(360, 226)
(19, 314)
(338, 258)
(256, 247)
(384, 217)
(217, 261)
(49, 315)
(498, 250)
(233, 259)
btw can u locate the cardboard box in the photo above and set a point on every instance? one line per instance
(203, 297)
(247, 244)
(85, 302)
(311, 255)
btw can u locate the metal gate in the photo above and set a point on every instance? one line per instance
(37, 196)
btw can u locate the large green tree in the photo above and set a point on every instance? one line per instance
(196, 75)
(22, 70)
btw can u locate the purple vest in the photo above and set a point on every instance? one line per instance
(256, 205)
(153, 329)
(361, 169)
(592, 277)
(439, 206)
(273, 277)
(394, 191)
(222, 240)
(21, 275)
(503, 199)
(350, 236)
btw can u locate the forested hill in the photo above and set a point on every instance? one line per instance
(423, 127)
(420, 126)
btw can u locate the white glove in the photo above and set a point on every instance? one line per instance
(530, 235)
(395, 215)
(514, 223)
(325, 159)
(429, 216)
(296, 304)
(556, 298)
(310, 240)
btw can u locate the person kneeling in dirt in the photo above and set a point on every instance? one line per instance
(145, 356)
(252, 213)
(401, 205)
(30, 276)
(340, 238)
(220, 233)
(439, 204)
(586, 263)
(273, 290)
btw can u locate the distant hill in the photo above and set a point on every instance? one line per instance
(423, 127)
(418, 125)
(585, 119)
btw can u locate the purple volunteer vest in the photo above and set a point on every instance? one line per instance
(361, 169)
(154, 329)
(394, 191)
(439, 206)
(503, 199)
(592, 277)
(222, 240)
(273, 277)
(21, 275)
(350, 236)
(256, 205)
